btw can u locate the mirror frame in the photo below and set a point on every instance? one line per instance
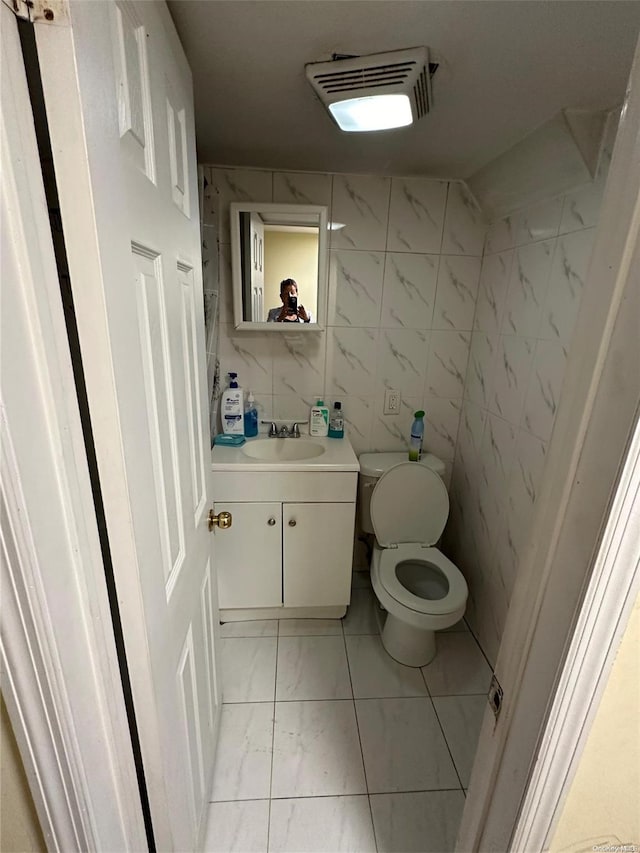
(235, 208)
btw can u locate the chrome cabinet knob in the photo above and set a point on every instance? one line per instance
(292, 522)
(271, 522)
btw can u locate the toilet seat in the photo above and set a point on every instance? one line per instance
(409, 509)
(454, 599)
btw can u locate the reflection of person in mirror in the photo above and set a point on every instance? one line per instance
(291, 311)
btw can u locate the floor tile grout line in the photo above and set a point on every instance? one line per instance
(408, 791)
(332, 634)
(364, 766)
(337, 796)
(446, 742)
(482, 652)
(348, 698)
(426, 683)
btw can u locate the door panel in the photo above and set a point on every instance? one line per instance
(133, 87)
(156, 360)
(119, 104)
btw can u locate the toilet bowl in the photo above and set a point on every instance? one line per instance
(419, 587)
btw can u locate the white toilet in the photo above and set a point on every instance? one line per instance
(406, 505)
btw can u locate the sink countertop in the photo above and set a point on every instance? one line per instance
(338, 456)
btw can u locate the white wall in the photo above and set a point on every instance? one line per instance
(290, 255)
(19, 828)
(403, 280)
(602, 804)
(533, 273)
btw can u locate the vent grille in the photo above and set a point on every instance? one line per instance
(422, 92)
(406, 71)
(363, 78)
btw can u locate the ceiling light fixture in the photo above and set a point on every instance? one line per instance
(376, 92)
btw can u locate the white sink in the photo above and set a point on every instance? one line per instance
(282, 449)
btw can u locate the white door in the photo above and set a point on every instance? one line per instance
(118, 95)
(57, 651)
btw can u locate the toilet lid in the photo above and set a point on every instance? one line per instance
(409, 504)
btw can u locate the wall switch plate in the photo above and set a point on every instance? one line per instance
(391, 402)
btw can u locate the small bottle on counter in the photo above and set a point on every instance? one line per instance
(250, 416)
(336, 422)
(319, 420)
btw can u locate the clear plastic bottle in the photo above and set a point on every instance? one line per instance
(250, 416)
(336, 422)
(417, 434)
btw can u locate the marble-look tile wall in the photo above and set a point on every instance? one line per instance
(476, 331)
(403, 281)
(533, 273)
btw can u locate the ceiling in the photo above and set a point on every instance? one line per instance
(505, 68)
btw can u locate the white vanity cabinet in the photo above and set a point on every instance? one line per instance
(289, 550)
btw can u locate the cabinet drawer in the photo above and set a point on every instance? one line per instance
(318, 486)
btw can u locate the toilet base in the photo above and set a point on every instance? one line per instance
(406, 644)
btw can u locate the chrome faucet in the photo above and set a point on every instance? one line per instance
(284, 431)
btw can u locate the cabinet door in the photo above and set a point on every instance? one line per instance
(249, 555)
(318, 553)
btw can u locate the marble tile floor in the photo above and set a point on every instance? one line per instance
(327, 744)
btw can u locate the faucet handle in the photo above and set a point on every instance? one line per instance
(295, 429)
(273, 430)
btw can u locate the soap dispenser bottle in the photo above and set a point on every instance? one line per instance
(232, 408)
(250, 416)
(336, 422)
(319, 420)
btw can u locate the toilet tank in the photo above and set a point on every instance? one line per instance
(373, 466)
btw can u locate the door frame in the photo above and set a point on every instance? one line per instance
(568, 557)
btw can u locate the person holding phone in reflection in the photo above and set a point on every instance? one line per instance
(291, 311)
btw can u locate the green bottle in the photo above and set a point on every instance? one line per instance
(417, 434)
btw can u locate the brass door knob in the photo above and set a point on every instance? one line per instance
(222, 520)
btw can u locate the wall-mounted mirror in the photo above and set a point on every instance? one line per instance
(272, 244)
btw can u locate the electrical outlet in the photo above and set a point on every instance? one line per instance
(391, 402)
